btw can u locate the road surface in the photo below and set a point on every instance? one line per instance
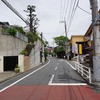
(56, 80)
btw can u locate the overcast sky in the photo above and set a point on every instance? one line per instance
(50, 12)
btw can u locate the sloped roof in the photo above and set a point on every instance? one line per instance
(89, 31)
(4, 23)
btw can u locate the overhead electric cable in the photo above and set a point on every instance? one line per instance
(70, 10)
(66, 10)
(74, 10)
(61, 9)
(84, 10)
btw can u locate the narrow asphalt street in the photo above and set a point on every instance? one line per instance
(56, 80)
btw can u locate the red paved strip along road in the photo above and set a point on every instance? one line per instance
(42, 92)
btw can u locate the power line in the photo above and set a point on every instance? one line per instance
(15, 11)
(66, 8)
(84, 10)
(73, 13)
(61, 9)
(70, 8)
(77, 30)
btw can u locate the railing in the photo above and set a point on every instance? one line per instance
(21, 36)
(83, 70)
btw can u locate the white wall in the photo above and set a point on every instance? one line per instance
(21, 62)
(11, 46)
(1, 64)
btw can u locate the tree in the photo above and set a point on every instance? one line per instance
(32, 37)
(45, 43)
(45, 53)
(33, 21)
(60, 40)
(60, 49)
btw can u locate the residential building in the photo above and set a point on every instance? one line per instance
(75, 40)
(89, 48)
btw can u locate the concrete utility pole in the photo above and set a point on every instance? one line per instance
(96, 41)
(66, 36)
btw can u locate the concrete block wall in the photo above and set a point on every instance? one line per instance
(35, 55)
(26, 63)
(11, 46)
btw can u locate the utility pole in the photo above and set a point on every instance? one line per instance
(96, 42)
(65, 26)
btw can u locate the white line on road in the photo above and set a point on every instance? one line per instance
(50, 82)
(23, 77)
(61, 84)
(56, 68)
(61, 60)
(67, 84)
(70, 65)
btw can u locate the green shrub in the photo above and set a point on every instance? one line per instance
(12, 31)
(23, 52)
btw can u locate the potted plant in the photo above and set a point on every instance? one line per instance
(17, 69)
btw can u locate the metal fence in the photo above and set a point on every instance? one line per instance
(21, 36)
(84, 71)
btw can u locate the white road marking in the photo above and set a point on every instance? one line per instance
(67, 84)
(70, 65)
(56, 68)
(61, 84)
(23, 77)
(50, 82)
(61, 60)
